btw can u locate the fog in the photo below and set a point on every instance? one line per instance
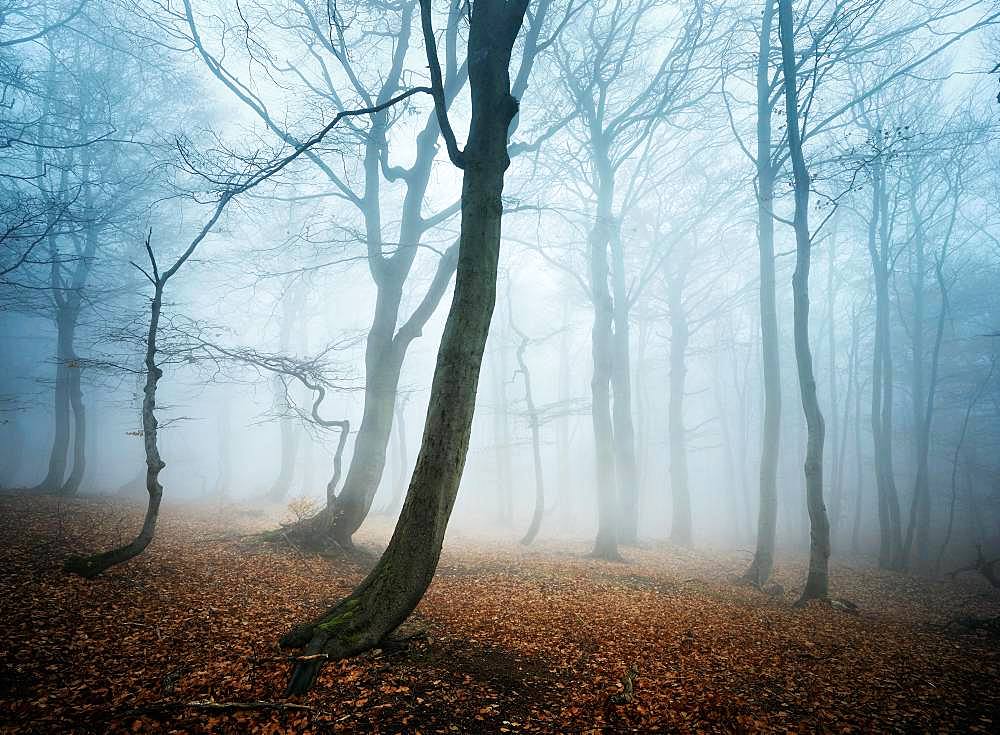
(638, 127)
(460, 328)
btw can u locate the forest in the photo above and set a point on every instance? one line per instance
(499, 366)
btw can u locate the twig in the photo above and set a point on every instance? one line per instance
(208, 704)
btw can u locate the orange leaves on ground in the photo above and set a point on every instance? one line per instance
(510, 640)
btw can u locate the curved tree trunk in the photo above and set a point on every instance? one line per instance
(762, 564)
(388, 341)
(91, 566)
(394, 587)
(817, 582)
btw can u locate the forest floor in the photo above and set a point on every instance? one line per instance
(515, 640)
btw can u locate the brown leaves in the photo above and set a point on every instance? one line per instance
(183, 639)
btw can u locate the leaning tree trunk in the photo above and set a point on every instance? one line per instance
(817, 582)
(762, 564)
(394, 587)
(91, 566)
(680, 531)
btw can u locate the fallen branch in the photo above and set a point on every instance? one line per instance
(210, 705)
(311, 657)
(162, 707)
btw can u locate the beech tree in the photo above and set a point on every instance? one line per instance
(393, 588)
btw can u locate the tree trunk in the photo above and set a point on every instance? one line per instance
(289, 445)
(621, 372)
(224, 429)
(890, 543)
(817, 583)
(680, 530)
(954, 463)
(762, 564)
(566, 500)
(859, 465)
(291, 308)
(394, 587)
(58, 454)
(836, 481)
(402, 458)
(91, 566)
(386, 346)
(501, 434)
(602, 338)
(75, 393)
(923, 401)
(536, 446)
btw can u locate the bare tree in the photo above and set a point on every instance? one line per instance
(817, 584)
(393, 588)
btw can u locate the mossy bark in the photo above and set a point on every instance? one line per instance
(392, 590)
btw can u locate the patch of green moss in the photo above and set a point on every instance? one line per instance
(330, 625)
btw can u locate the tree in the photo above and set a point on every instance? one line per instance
(817, 583)
(619, 108)
(393, 588)
(232, 184)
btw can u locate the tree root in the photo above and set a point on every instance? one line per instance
(983, 566)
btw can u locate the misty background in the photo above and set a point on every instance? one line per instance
(120, 121)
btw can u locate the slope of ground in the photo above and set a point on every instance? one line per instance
(509, 640)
